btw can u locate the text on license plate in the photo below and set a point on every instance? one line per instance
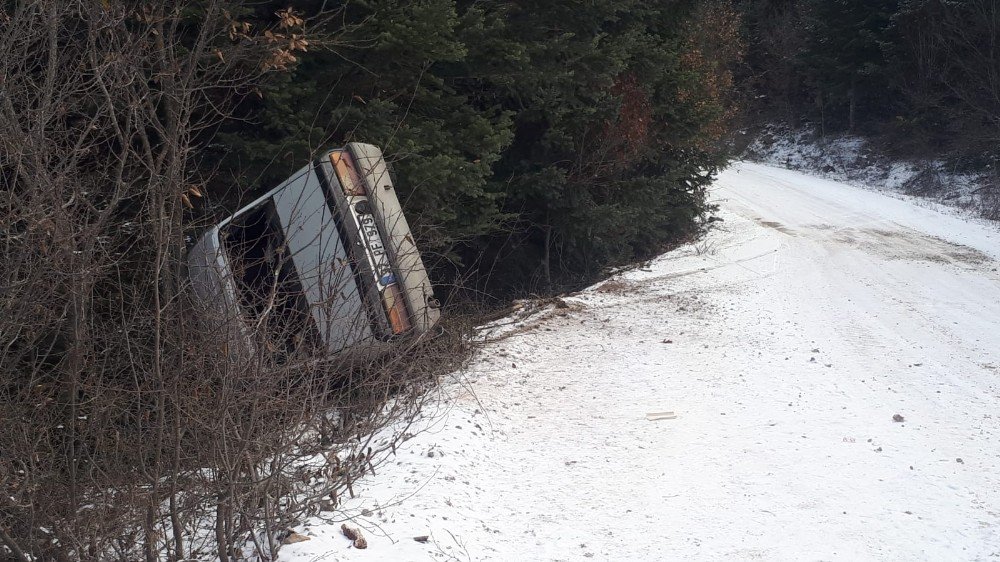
(377, 256)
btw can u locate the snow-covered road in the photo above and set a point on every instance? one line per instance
(785, 342)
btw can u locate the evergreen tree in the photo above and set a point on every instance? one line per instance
(538, 139)
(608, 160)
(846, 56)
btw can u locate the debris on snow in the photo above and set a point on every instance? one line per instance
(354, 535)
(293, 538)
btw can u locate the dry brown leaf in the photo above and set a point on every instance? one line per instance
(293, 538)
(289, 18)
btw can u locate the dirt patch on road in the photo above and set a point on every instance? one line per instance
(776, 226)
(909, 245)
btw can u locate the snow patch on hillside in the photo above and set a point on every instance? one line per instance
(853, 160)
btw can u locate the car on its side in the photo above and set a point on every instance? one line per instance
(323, 263)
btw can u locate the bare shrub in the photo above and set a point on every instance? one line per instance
(989, 198)
(128, 430)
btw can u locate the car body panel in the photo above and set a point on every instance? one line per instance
(322, 262)
(418, 291)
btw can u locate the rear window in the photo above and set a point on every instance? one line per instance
(269, 291)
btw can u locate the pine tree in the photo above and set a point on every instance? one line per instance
(846, 57)
(534, 138)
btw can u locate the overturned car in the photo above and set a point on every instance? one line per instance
(323, 263)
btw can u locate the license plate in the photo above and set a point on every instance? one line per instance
(375, 250)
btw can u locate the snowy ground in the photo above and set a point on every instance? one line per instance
(785, 343)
